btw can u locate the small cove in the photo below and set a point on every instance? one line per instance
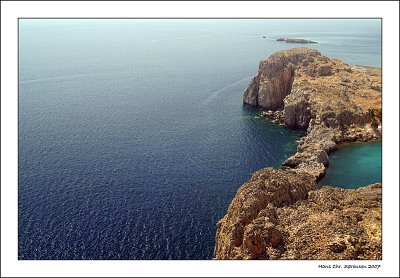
(354, 165)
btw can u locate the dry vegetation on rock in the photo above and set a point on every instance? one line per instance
(281, 214)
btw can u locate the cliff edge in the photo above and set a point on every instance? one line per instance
(280, 213)
(333, 101)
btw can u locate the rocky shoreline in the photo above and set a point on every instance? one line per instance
(335, 103)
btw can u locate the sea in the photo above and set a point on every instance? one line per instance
(133, 137)
(354, 165)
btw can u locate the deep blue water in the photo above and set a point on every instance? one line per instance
(132, 135)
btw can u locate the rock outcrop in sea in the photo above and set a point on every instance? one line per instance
(333, 101)
(280, 213)
(291, 40)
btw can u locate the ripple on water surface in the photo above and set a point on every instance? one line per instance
(132, 135)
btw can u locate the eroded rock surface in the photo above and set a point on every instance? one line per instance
(333, 101)
(280, 213)
(249, 225)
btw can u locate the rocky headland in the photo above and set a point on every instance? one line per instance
(291, 40)
(280, 213)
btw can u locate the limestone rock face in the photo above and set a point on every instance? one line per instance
(297, 112)
(307, 85)
(281, 215)
(331, 100)
(249, 226)
(275, 78)
(275, 87)
(251, 96)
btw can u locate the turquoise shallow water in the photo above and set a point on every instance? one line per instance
(355, 165)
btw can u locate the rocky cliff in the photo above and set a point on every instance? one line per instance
(333, 101)
(280, 213)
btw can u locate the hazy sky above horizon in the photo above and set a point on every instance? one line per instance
(336, 25)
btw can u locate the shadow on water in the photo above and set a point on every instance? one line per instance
(271, 135)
